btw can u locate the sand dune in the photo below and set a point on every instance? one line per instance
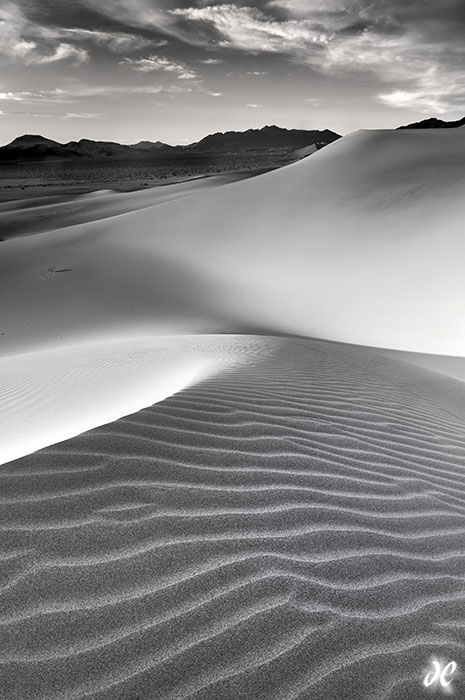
(51, 394)
(318, 248)
(266, 517)
(348, 245)
(40, 214)
(290, 529)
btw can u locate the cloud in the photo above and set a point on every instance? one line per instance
(254, 106)
(31, 42)
(163, 17)
(257, 72)
(249, 29)
(83, 92)
(113, 41)
(160, 63)
(211, 61)
(17, 42)
(55, 95)
(62, 52)
(12, 44)
(43, 115)
(82, 115)
(132, 12)
(47, 115)
(415, 47)
(427, 99)
(15, 96)
(114, 91)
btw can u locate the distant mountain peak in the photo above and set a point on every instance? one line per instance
(148, 145)
(434, 123)
(32, 140)
(269, 136)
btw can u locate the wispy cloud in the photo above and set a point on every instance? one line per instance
(83, 92)
(249, 29)
(83, 115)
(254, 106)
(33, 43)
(55, 95)
(136, 13)
(409, 53)
(314, 101)
(211, 61)
(115, 91)
(62, 52)
(416, 47)
(12, 43)
(15, 96)
(16, 46)
(160, 63)
(428, 98)
(48, 115)
(117, 42)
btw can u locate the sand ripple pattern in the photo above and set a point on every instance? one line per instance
(290, 530)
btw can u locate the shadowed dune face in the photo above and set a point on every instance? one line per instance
(290, 530)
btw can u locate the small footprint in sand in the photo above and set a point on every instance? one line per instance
(51, 272)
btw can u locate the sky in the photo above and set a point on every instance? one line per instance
(176, 70)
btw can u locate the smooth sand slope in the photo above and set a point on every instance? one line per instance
(293, 529)
(26, 217)
(287, 521)
(361, 242)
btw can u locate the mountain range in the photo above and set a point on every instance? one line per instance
(434, 123)
(31, 147)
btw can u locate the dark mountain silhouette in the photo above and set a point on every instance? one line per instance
(267, 137)
(30, 140)
(85, 147)
(34, 147)
(31, 147)
(37, 148)
(149, 145)
(434, 123)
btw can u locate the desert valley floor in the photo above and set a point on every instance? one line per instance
(232, 434)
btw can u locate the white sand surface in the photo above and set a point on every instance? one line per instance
(361, 243)
(444, 364)
(279, 518)
(293, 528)
(51, 394)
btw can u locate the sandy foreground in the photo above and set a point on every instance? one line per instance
(198, 498)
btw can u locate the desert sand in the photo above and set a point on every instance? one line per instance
(233, 433)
